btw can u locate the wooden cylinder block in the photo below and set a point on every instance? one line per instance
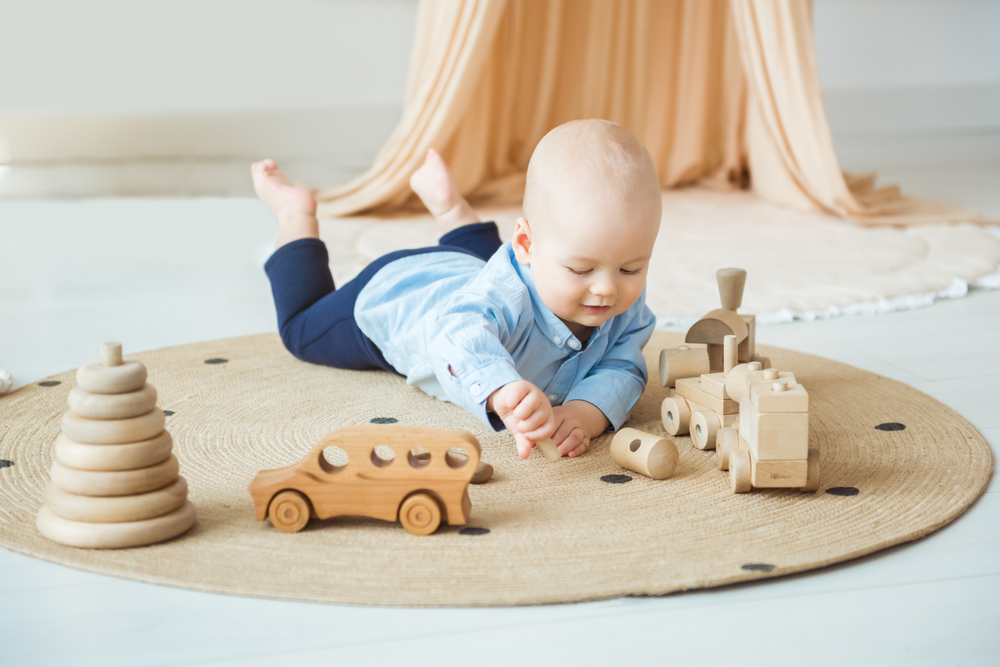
(115, 535)
(116, 509)
(705, 425)
(682, 362)
(112, 432)
(112, 406)
(676, 414)
(128, 456)
(117, 483)
(100, 379)
(730, 354)
(644, 453)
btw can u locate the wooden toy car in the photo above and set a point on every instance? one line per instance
(416, 475)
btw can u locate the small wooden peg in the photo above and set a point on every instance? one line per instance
(111, 354)
(549, 449)
(771, 374)
(780, 385)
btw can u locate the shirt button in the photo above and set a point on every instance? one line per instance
(553, 397)
(574, 344)
(475, 389)
(557, 340)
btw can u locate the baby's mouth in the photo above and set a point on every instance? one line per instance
(597, 310)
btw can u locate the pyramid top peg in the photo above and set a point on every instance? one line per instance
(111, 354)
(731, 282)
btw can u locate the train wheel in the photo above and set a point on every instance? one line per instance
(420, 514)
(676, 414)
(704, 427)
(289, 511)
(739, 472)
(727, 443)
(812, 476)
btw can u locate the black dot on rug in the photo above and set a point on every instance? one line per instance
(4, 463)
(383, 420)
(474, 531)
(757, 567)
(616, 479)
(168, 413)
(49, 383)
(216, 360)
(842, 491)
(890, 426)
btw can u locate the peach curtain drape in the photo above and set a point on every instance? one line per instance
(724, 92)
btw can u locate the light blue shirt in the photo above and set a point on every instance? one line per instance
(438, 312)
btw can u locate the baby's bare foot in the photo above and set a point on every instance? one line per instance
(433, 184)
(295, 207)
(274, 189)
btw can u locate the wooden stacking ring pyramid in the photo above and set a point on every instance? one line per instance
(115, 482)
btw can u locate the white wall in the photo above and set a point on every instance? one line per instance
(909, 66)
(134, 56)
(102, 80)
(897, 43)
(112, 80)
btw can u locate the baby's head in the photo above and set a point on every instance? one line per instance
(591, 214)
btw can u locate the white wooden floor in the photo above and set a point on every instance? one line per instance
(159, 272)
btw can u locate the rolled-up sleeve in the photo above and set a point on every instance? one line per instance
(615, 383)
(467, 351)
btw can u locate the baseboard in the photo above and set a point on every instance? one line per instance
(884, 112)
(346, 136)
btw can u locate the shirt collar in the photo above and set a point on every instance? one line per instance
(552, 327)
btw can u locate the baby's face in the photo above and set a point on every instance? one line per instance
(589, 262)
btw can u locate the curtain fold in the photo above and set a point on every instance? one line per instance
(721, 92)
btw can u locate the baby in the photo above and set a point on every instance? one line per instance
(543, 334)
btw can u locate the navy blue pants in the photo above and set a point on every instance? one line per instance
(316, 320)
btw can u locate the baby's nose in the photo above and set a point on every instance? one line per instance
(603, 287)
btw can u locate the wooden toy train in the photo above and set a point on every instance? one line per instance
(729, 399)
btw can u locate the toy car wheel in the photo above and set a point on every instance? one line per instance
(676, 414)
(289, 511)
(420, 514)
(812, 474)
(727, 443)
(739, 472)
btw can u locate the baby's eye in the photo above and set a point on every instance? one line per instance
(579, 272)
(631, 273)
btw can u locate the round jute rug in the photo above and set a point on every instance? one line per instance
(896, 465)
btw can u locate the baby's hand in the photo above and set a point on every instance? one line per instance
(526, 411)
(571, 434)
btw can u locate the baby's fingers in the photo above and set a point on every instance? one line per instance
(529, 404)
(523, 445)
(580, 449)
(571, 442)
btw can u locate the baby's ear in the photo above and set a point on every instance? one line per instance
(521, 242)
